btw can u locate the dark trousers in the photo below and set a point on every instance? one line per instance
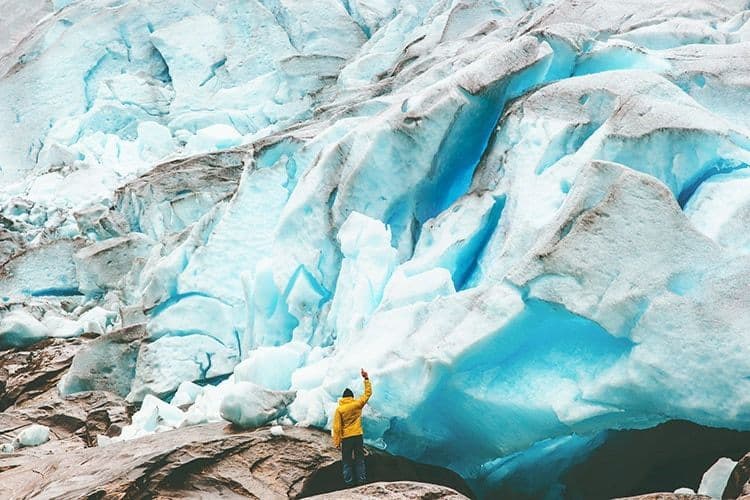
(353, 459)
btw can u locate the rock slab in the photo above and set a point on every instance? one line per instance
(399, 490)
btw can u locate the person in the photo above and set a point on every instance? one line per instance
(347, 433)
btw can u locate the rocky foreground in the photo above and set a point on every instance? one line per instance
(210, 460)
(216, 461)
(737, 487)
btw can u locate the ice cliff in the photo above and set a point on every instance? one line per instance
(530, 220)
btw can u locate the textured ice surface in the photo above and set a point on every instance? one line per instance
(207, 407)
(166, 362)
(186, 394)
(153, 416)
(19, 329)
(529, 220)
(272, 367)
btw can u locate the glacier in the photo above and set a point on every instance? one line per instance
(528, 219)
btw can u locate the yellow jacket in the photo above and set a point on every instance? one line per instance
(347, 421)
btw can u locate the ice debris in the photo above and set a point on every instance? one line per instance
(277, 430)
(186, 394)
(715, 479)
(249, 405)
(33, 435)
(154, 415)
(684, 491)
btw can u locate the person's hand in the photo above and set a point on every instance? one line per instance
(363, 373)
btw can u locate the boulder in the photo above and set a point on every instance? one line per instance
(739, 480)
(85, 414)
(666, 496)
(399, 490)
(73, 422)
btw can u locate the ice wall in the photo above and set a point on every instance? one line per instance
(528, 220)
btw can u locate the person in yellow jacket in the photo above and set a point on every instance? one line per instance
(347, 433)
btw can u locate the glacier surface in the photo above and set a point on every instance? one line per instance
(528, 219)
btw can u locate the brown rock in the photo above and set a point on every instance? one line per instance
(739, 480)
(29, 372)
(74, 423)
(400, 490)
(208, 461)
(11, 244)
(74, 412)
(666, 496)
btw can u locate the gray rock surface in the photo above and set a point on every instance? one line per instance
(101, 266)
(106, 363)
(399, 490)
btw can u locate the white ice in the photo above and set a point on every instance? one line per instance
(33, 435)
(715, 478)
(19, 329)
(153, 416)
(249, 405)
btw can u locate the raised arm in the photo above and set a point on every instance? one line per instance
(362, 400)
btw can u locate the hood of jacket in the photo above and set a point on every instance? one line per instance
(348, 399)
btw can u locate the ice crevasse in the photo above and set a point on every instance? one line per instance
(528, 220)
